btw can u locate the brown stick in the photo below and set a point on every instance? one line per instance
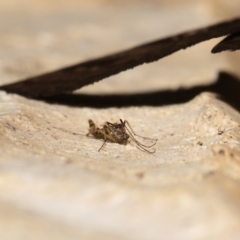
(230, 43)
(74, 77)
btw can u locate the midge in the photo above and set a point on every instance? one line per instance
(118, 133)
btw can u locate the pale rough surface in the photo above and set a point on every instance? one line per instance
(54, 184)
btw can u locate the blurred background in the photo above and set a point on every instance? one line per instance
(40, 36)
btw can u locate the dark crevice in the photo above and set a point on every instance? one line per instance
(226, 86)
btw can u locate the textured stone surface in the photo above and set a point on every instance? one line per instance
(54, 184)
(190, 184)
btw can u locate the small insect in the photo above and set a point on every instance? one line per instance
(118, 133)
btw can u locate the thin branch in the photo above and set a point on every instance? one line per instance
(230, 43)
(74, 77)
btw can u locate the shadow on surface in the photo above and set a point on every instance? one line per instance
(226, 86)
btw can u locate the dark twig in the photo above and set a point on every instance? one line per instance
(74, 77)
(230, 43)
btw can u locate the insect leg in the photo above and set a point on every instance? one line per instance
(137, 142)
(105, 133)
(126, 123)
(145, 150)
(102, 145)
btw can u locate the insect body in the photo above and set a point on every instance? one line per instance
(118, 133)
